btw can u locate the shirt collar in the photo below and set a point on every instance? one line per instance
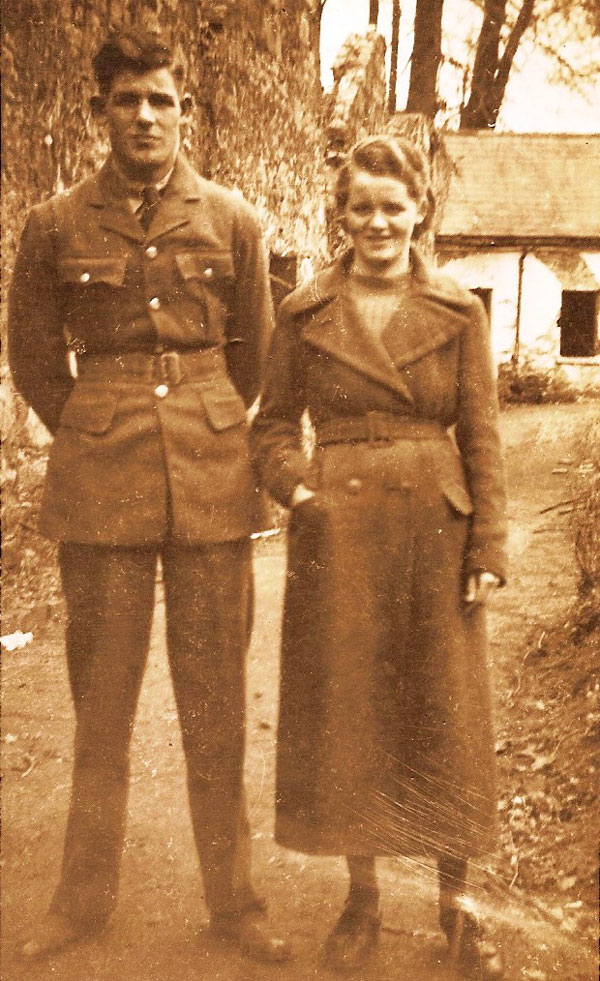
(132, 190)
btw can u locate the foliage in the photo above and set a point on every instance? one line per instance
(586, 515)
(528, 382)
(565, 30)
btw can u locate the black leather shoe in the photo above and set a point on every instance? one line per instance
(252, 933)
(473, 955)
(54, 934)
(353, 939)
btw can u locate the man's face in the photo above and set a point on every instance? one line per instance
(143, 115)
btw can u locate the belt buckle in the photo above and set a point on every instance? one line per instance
(170, 367)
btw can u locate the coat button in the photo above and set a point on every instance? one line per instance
(355, 485)
(84, 278)
(154, 303)
(161, 391)
(209, 272)
(151, 252)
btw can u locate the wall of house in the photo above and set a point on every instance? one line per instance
(538, 335)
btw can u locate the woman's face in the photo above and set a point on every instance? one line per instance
(380, 216)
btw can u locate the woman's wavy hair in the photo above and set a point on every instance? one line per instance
(390, 156)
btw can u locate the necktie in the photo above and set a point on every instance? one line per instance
(150, 199)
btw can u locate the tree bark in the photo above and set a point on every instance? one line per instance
(426, 58)
(394, 55)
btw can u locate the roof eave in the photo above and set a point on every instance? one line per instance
(519, 241)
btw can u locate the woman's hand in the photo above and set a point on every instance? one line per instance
(480, 587)
(301, 493)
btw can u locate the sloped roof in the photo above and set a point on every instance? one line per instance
(523, 186)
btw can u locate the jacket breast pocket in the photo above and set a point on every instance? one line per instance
(205, 273)
(224, 410)
(89, 271)
(89, 409)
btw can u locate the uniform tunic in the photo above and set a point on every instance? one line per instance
(129, 466)
(385, 739)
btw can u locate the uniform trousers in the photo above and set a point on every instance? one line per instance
(109, 594)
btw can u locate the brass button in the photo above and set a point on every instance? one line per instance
(161, 391)
(154, 303)
(209, 272)
(355, 485)
(84, 278)
(151, 252)
(405, 486)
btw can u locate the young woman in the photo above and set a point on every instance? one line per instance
(396, 540)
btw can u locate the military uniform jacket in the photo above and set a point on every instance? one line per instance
(132, 464)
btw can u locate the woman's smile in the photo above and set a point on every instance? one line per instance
(380, 217)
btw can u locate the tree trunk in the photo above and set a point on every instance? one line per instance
(373, 11)
(491, 69)
(394, 55)
(426, 58)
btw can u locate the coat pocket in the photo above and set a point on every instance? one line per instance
(224, 409)
(458, 497)
(92, 270)
(89, 409)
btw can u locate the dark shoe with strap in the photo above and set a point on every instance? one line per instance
(472, 954)
(353, 939)
(54, 934)
(252, 933)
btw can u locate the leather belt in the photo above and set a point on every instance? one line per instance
(169, 367)
(377, 427)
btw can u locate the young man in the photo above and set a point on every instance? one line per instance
(151, 284)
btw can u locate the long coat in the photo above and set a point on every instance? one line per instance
(385, 738)
(135, 462)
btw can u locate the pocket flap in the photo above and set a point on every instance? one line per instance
(91, 410)
(459, 498)
(206, 266)
(87, 271)
(224, 409)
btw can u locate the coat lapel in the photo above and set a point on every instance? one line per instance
(433, 312)
(115, 214)
(331, 329)
(172, 212)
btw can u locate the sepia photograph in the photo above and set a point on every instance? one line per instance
(300, 392)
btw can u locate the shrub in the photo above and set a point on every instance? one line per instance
(586, 516)
(529, 382)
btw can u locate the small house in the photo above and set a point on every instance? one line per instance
(521, 228)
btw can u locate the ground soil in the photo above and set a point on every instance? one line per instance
(540, 892)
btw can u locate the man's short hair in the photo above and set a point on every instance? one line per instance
(137, 50)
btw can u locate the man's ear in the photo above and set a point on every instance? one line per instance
(186, 104)
(98, 106)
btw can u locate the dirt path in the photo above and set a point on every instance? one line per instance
(157, 933)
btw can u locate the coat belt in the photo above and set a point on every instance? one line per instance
(377, 427)
(169, 367)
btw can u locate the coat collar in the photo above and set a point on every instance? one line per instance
(434, 311)
(108, 195)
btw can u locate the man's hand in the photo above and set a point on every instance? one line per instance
(480, 587)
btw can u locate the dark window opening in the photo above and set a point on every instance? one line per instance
(577, 322)
(283, 271)
(485, 295)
